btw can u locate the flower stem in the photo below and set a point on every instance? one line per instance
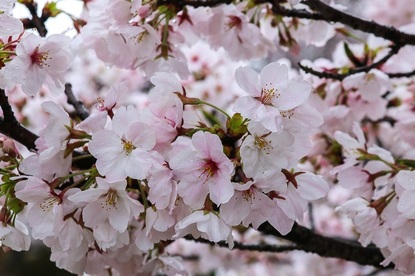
(215, 107)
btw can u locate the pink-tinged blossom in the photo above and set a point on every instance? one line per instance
(50, 162)
(163, 188)
(56, 133)
(263, 150)
(350, 146)
(371, 85)
(124, 150)
(160, 220)
(164, 265)
(249, 205)
(402, 257)
(302, 187)
(165, 109)
(9, 25)
(270, 93)
(406, 204)
(70, 245)
(109, 202)
(207, 225)
(40, 61)
(313, 32)
(230, 28)
(16, 237)
(46, 207)
(365, 218)
(203, 170)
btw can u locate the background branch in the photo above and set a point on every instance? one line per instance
(333, 15)
(309, 241)
(78, 105)
(37, 22)
(251, 247)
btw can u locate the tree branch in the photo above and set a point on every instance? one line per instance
(333, 15)
(78, 105)
(10, 127)
(367, 68)
(179, 4)
(309, 241)
(251, 247)
(38, 23)
(280, 10)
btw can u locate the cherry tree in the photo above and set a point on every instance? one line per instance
(144, 140)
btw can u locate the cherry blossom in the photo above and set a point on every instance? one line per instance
(204, 224)
(124, 150)
(169, 136)
(107, 203)
(269, 94)
(263, 150)
(40, 61)
(9, 25)
(16, 237)
(203, 170)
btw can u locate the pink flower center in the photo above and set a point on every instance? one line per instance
(209, 169)
(39, 58)
(234, 22)
(268, 94)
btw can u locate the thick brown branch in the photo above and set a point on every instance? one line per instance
(78, 105)
(309, 241)
(10, 127)
(251, 247)
(179, 4)
(37, 22)
(280, 10)
(333, 15)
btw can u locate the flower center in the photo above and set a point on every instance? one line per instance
(110, 200)
(48, 203)
(128, 147)
(209, 169)
(268, 94)
(234, 22)
(39, 58)
(249, 194)
(263, 144)
(287, 114)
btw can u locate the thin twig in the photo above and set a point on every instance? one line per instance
(328, 75)
(401, 74)
(78, 105)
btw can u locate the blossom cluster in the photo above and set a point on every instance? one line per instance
(176, 137)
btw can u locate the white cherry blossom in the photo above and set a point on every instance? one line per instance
(269, 93)
(125, 149)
